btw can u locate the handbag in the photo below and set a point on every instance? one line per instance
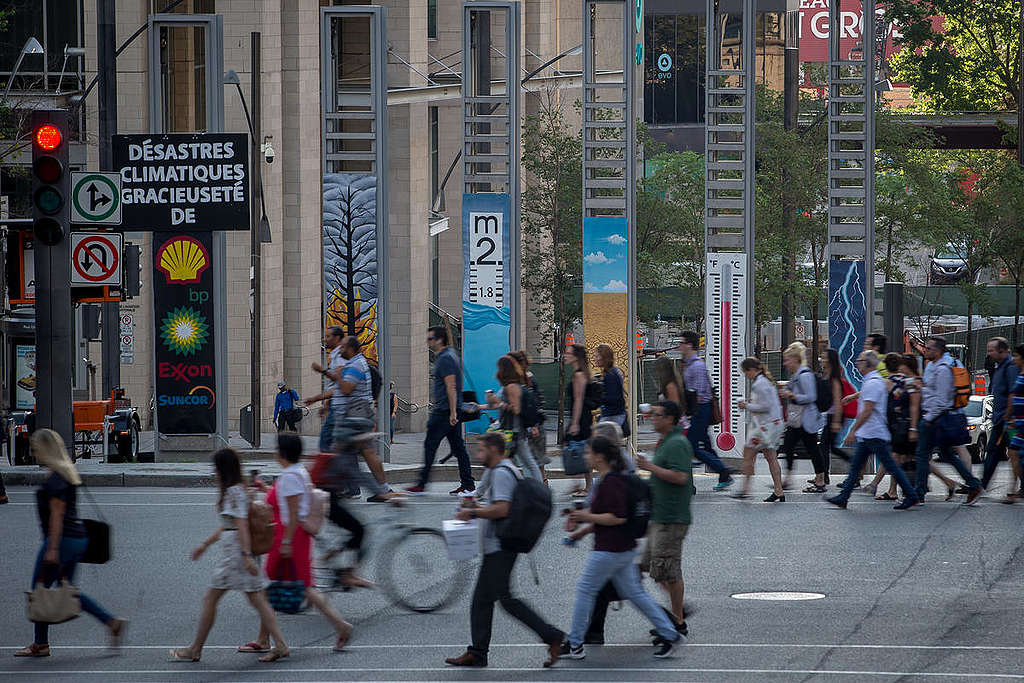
(716, 410)
(572, 458)
(53, 605)
(97, 551)
(286, 595)
(794, 414)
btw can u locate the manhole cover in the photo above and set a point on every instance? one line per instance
(778, 595)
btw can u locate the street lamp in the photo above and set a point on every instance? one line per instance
(231, 78)
(32, 47)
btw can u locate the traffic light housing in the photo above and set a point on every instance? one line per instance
(51, 176)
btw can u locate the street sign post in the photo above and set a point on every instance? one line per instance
(96, 198)
(96, 259)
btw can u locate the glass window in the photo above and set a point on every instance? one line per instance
(973, 409)
(183, 78)
(432, 19)
(435, 167)
(54, 23)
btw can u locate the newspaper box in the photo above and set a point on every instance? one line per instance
(462, 538)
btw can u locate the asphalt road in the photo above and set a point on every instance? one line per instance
(933, 594)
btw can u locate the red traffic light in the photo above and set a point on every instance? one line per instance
(48, 137)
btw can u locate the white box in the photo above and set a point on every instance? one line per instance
(462, 538)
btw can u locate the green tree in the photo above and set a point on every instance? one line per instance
(552, 226)
(1005, 208)
(967, 61)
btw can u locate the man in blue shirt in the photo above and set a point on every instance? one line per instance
(698, 386)
(1004, 374)
(871, 431)
(444, 416)
(285, 412)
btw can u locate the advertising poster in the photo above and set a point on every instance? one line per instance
(24, 377)
(605, 278)
(486, 315)
(847, 311)
(350, 256)
(184, 347)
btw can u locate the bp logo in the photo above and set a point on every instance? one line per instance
(184, 331)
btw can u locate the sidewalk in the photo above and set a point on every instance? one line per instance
(406, 459)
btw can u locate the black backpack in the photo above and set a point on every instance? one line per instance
(897, 411)
(528, 514)
(594, 396)
(824, 390)
(530, 414)
(376, 381)
(639, 496)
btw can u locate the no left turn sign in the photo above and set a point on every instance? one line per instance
(96, 198)
(95, 259)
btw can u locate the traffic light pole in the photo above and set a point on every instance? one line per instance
(107, 112)
(54, 348)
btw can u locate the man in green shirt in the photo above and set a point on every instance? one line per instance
(671, 491)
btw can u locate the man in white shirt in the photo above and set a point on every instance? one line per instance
(871, 432)
(332, 343)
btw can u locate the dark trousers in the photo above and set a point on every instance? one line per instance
(492, 585)
(994, 452)
(340, 515)
(439, 427)
(698, 437)
(607, 596)
(880, 449)
(794, 435)
(925, 444)
(286, 420)
(3, 490)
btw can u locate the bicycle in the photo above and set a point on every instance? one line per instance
(412, 565)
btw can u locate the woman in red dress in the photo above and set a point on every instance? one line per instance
(290, 558)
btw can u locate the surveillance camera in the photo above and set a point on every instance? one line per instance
(268, 151)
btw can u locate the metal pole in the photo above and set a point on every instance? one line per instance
(255, 342)
(869, 163)
(106, 66)
(791, 110)
(1020, 93)
(749, 152)
(632, 31)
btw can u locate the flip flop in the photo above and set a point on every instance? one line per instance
(886, 496)
(253, 646)
(177, 656)
(343, 640)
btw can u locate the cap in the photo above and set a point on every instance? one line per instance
(280, 384)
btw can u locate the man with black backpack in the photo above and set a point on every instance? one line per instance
(671, 491)
(521, 502)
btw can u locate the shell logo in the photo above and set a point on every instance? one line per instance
(182, 260)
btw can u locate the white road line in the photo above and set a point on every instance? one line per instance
(690, 645)
(186, 670)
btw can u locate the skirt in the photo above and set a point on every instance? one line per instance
(231, 573)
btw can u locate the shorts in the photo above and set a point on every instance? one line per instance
(765, 436)
(663, 554)
(1017, 442)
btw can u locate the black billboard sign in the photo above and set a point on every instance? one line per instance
(186, 370)
(183, 181)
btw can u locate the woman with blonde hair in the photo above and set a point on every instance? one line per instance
(803, 419)
(64, 536)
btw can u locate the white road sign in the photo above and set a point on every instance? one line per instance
(95, 259)
(96, 198)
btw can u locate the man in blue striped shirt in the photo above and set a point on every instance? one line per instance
(697, 384)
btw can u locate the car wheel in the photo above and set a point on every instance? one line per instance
(978, 450)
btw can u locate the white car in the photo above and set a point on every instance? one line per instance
(979, 425)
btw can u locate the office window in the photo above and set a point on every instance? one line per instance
(435, 160)
(432, 19)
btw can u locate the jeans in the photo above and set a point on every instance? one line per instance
(880, 449)
(810, 442)
(994, 452)
(71, 551)
(925, 443)
(621, 569)
(439, 427)
(698, 437)
(524, 457)
(492, 585)
(327, 431)
(604, 597)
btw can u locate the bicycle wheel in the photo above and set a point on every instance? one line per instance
(416, 573)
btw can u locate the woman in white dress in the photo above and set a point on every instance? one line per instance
(764, 427)
(236, 568)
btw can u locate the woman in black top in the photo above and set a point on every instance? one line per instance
(580, 418)
(613, 403)
(64, 535)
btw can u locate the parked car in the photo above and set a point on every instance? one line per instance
(979, 425)
(947, 268)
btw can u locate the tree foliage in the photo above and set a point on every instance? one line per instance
(967, 60)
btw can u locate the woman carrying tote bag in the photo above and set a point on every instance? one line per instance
(64, 536)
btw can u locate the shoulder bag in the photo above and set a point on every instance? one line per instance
(97, 551)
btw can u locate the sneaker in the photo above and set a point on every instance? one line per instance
(377, 498)
(570, 652)
(461, 491)
(723, 485)
(417, 490)
(907, 503)
(837, 501)
(665, 648)
(973, 495)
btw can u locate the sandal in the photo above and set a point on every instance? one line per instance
(886, 496)
(181, 656)
(116, 627)
(33, 650)
(814, 488)
(253, 646)
(274, 655)
(869, 489)
(950, 492)
(343, 639)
